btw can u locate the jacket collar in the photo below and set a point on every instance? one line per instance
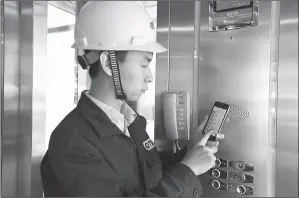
(99, 119)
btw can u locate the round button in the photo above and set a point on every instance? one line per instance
(215, 173)
(196, 193)
(241, 177)
(241, 189)
(216, 184)
(241, 166)
(217, 162)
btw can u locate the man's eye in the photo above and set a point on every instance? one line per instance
(144, 66)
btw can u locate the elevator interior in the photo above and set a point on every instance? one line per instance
(254, 69)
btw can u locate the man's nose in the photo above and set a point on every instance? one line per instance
(149, 76)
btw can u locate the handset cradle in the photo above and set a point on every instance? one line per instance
(176, 114)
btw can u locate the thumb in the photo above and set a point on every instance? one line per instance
(205, 137)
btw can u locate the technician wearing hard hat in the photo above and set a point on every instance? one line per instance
(101, 148)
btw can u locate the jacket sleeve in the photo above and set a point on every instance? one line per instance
(179, 181)
(87, 174)
(169, 159)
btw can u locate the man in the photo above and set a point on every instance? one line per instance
(99, 148)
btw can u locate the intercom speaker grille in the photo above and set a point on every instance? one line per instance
(237, 113)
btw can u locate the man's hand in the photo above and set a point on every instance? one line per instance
(198, 133)
(201, 158)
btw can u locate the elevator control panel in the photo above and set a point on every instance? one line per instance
(232, 176)
(217, 173)
(240, 177)
(221, 163)
(240, 189)
(244, 190)
(241, 166)
(219, 185)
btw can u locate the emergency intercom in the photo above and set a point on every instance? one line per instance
(176, 114)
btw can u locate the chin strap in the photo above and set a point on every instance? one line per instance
(86, 60)
(116, 76)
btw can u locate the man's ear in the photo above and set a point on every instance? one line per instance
(105, 63)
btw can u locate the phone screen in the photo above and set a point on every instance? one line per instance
(216, 118)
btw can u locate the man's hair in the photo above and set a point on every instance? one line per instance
(95, 67)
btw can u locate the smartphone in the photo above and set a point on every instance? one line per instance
(176, 114)
(216, 119)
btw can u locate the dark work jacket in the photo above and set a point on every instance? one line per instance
(89, 156)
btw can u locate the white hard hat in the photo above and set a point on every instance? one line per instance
(115, 26)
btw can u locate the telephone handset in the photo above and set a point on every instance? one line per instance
(176, 114)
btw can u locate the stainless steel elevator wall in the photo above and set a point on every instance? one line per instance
(174, 70)
(23, 113)
(287, 110)
(1, 84)
(10, 119)
(237, 67)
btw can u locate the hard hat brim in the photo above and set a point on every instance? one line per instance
(154, 47)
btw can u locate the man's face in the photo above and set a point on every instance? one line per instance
(135, 74)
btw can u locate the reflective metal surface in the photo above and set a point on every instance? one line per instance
(273, 88)
(239, 67)
(181, 47)
(38, 94)
(287, 112)
(196, 62)
(10, 110)
(176, 32)
(162, 66)
(1, 82)
(235, 69)
(25, 98)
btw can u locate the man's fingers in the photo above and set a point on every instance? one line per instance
(220, 136)
(205, 137)
(212, 150)
(212, 143)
